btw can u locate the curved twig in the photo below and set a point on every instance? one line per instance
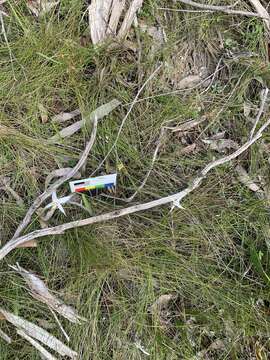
(225, 9)
(48, 192)
(174, 198)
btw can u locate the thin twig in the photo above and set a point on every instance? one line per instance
(174, 198)
(3, 30)
(178, 90)
(126, 116)
(60, 325)
(225, 9)
(48, 192)
(184, 10)
(159, 142)
(263, 101)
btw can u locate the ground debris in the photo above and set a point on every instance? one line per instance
(35, 332)
(97, 114)
(221, 145)
(5, 185)
(5, 337)
(245, 179)
(40, 7)
(104, 17)
(43, 352)
(161, 309)
(65, 116)
(188, 125)
(43, 113)
(39, 291)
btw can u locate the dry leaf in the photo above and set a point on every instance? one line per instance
(246, 180)
(43, 113)
(46, 355)
(39, 334)
(161, 303)
(98, 114)
(188, 149)
(221, 145)
(40, 292)
(5, 337)
(65, 116)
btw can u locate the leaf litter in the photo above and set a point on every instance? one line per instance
(98, 114)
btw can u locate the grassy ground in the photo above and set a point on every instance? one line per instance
(212, 257)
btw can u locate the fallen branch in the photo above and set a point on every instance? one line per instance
(225, 9)
(98, 12)
(116, 11)
(175, 199)
(36, 332)
(43, 352)
(48, 192)
(129, 18)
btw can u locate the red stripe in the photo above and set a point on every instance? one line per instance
(80, 189)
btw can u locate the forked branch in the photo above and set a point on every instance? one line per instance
(175, 199)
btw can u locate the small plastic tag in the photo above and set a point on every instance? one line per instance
(94, 185)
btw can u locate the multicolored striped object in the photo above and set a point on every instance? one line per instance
(94, 185)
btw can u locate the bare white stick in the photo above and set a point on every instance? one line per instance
(126, 116)
(5, 337)
(174, 198)
(263, 101)
(36, 345)
(262, 12)
(60, 325)
(117, 9)
(129, 18)
(38, 333)
(225, 9)
(48, 192)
